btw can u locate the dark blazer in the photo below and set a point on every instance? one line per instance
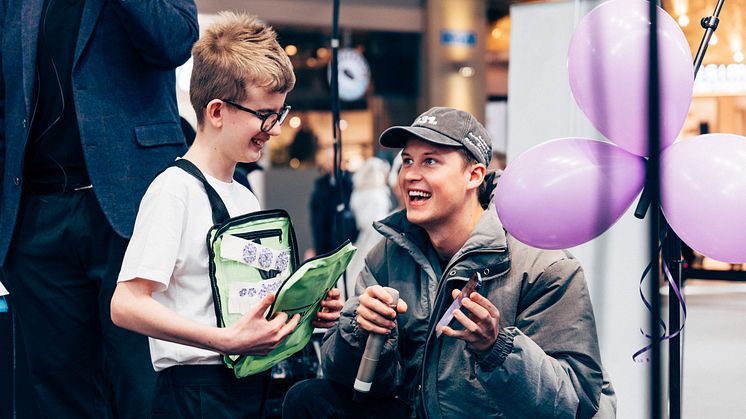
(124, 93)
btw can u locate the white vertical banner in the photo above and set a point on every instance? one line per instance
(540, 108)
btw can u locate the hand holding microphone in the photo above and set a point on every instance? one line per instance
(375, 314)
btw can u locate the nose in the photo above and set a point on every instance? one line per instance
(276, 130)
(410, 173)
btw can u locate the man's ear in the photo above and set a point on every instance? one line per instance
(214, 113)
(477, 173)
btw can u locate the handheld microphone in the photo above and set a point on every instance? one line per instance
(373, 347)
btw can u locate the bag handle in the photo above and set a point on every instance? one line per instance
(219, 212)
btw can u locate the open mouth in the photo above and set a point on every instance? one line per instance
(257, 142)
(418, 196)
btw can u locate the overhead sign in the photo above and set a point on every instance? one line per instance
(458, 38)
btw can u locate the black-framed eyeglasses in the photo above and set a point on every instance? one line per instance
(269, 119)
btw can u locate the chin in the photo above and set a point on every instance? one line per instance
(252, 156)
(415, 217)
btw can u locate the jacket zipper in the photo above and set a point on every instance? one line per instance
(432, 322)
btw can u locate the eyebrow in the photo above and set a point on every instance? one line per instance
(427, 153)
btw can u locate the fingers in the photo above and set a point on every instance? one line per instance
(371, 327)
(324, 316)
(465, 321)
(476, 311)
(401, 306)
(377, 291)
(376, 301)
(377, 322)
(459, 334)
(479, 299)
(291, 325)
(332, 303)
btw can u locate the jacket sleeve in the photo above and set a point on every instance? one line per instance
(548, 365)
(344, 345)
(162, 31)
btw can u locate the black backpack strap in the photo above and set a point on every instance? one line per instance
(219, 212)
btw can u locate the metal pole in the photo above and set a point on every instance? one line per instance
(653, 177)
(672, 256)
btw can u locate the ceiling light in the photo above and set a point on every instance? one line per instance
(294, 122)
(683, 20)
(466, 71)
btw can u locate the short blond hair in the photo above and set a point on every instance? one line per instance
(236, 52)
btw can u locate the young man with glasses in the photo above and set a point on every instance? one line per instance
(239, 83)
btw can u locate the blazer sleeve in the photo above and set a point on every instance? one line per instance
(162, 31)
(549, 364)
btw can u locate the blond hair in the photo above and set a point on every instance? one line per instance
(234, 53)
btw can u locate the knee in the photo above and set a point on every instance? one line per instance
(300, 398)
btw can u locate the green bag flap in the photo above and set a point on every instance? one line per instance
(301, 293)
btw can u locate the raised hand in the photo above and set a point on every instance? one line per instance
(374, 314)
(481, 326)
(331, 306)
(252, 334)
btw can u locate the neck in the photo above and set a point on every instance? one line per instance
(448, 238)
(210, 160)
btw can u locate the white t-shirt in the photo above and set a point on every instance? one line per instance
(169, 247)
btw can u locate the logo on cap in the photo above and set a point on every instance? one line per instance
(426, 119)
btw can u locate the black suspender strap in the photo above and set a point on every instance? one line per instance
(219, 212)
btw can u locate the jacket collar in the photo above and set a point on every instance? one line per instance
(91, 13)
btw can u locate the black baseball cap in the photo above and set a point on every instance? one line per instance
(445, 126)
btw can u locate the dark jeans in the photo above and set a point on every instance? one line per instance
(61, 272)
(320, 398)
(208, 392)
(16, 398)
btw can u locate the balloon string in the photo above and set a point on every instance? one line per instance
(637, 355)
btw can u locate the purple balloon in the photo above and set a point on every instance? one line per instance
(608, 68)
(567, 191)
(703, 194)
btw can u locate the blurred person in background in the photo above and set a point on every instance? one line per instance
(88, 114)
(393, 182)
(330, 226)
(370, 201)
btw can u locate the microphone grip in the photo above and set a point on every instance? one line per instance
(373, 348)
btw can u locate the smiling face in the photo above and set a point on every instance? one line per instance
(244, 138)
(437, 184)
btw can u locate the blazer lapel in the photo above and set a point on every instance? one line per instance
(30, 16)
(91, 12)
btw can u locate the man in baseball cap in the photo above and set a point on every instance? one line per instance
(523, 345)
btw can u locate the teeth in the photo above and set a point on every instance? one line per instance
(419, 194)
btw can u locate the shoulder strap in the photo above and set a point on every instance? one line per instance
(219, 212)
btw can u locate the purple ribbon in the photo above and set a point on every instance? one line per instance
(636, 356)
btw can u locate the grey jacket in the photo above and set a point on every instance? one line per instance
(545, 362)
